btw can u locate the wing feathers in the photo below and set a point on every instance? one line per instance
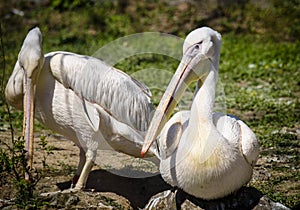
(120, 95)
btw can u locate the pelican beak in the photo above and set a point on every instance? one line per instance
(188, 71)
(28, 120)
(31, 60)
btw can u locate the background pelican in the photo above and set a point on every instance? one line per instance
(208, 155)
(81, 98)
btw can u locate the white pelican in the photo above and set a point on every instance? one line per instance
(208, 155)
(81, 98)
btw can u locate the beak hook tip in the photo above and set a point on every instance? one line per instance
(145, 150)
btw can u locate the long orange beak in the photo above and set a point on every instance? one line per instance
(183, 76)
(28, 120)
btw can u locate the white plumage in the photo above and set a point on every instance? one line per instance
(208, 155)
(83, 99)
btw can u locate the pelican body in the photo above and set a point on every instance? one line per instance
(81, 98)
(208, 155)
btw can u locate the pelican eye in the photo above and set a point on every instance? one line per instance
(198, 45)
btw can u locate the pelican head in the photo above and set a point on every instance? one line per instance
(31, 61)
(31, 57)
(201, 53)
(202, 43)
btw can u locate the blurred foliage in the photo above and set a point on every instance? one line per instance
(259, 64)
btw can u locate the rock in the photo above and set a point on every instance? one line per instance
(104, 207)
(266, 203)
(62, 200)
(85, 200)
(162, 200)
(245, 198)
(187, 205)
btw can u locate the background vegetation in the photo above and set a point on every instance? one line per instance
(259, 65)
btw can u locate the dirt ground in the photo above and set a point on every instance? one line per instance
(117, 181)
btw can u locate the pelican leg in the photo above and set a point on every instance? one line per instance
(82, 160)
(90, 157)
(86, 161)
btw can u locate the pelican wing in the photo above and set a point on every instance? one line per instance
(170, 136)
(118, 94)
(14, 88)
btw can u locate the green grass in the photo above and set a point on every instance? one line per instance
(262, 86)
(259, 66)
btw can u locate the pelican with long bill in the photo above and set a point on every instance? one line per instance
(30, 59)
(207, 154)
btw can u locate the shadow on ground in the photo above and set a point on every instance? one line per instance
(245, 198)
(137, 190)
(140, 191)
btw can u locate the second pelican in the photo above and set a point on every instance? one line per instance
(208, 155)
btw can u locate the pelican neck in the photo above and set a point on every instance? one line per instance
(202, 135)
(203, 102)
